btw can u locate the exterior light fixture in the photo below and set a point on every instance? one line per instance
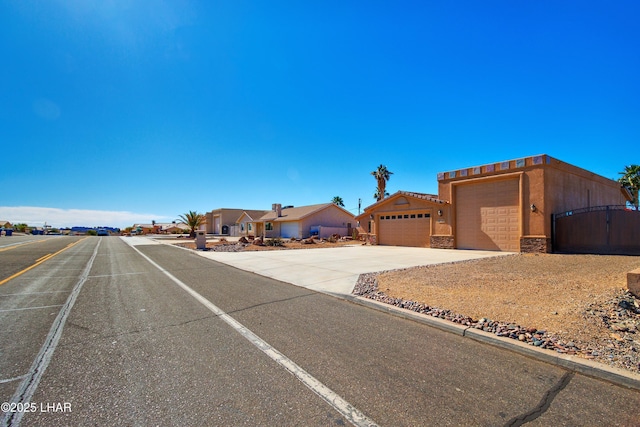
(533, 208)
(439, 212)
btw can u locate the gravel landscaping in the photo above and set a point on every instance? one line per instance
(224, 246)
(570, 304)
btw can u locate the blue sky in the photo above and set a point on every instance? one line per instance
(121, 112)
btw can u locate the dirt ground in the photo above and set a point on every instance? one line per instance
(545, 291)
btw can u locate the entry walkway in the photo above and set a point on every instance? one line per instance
(336, 270)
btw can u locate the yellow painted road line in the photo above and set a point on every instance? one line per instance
(39, 261)
(19, 245)
(42, 258)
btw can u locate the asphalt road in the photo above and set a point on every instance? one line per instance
(106, 334)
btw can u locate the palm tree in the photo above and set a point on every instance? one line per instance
(381, 175)
(338, 201)
(194, 220)
(630, 179)
(376, 195)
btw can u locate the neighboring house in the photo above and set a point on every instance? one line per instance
(322, 220)
(173, 228)
(146, 228)
(81, 230)
(5, 224)
(245, 224)
(222, 220)
(504, 206)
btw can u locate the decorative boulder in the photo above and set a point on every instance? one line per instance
(633, 282)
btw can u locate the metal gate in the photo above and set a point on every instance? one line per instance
(612, 230)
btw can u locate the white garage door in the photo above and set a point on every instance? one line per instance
(488, 216)
(405, 229)
(289, 229)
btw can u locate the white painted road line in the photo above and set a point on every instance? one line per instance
(10, 380)
(33, 293)
(30, 308)
(353, 415)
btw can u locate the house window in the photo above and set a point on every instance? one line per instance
(419, 215)
(413, 216)
(249, 226)
(268, 226)
(427, 215)
(388, 217)
(406, 216)
(382, 217)
(393, 217)
(242, 227)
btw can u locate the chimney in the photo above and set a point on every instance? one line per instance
(277, 207)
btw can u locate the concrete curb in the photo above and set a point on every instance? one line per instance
(573, 363)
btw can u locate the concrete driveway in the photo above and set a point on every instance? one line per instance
(336, 270)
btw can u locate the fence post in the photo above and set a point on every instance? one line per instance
(608, 229)
(553, 233)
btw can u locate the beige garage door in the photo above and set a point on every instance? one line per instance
(488, 216)
(405, 229)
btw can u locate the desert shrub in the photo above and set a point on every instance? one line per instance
(276, 241)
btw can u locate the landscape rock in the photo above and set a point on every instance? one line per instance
(621, 315)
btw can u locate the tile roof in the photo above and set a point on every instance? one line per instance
(254, 214)
(425, 196)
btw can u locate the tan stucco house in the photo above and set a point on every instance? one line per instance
(504, 206)
(322, 220)
(246, 223)
(221, 221)
(404, 219)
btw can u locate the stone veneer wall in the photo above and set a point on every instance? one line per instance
(442, 242)
(541, 245)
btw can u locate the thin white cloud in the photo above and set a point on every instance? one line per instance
(38, 216)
